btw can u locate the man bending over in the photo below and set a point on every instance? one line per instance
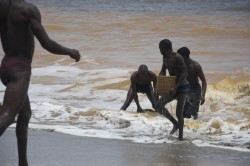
(141, 83)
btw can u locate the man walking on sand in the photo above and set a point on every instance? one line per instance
(19, 23)
(196, 96)
(175, 65)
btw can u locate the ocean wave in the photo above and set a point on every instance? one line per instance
(234, 88)
(149, 127)
(86, 102)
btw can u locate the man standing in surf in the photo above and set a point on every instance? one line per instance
(196, 95)
(19, 23)
(175, 65)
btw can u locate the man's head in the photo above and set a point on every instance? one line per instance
(165, 45)
(143, 69)
(184, 51)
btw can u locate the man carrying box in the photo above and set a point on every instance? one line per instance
(175, 65)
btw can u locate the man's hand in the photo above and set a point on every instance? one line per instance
(172, 92)
(75, 55)
(202, 100)
(156, 95)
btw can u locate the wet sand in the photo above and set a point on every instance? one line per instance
(53, 149)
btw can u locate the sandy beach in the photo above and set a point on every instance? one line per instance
(53, 149)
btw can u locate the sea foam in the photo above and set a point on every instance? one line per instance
(73, 104)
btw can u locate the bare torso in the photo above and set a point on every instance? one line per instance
(142, 80)
(173, 66)
(4, 5)
(16, 35)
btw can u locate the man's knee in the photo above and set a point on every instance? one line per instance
(179, 114)
(158, 105)
(5, 125)
(22, 124)
(24, 117)
(7, 117)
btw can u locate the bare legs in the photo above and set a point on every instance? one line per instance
(160, 107)
(130, 98)
(151, 97)
(22, 132)
(16, 102)
(179, 113)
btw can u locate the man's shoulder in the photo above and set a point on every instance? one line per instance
(25, 8)
(196, 64)
(134, 75)
(152, 73)
(4, 3)
(177, 56)
(31, 6)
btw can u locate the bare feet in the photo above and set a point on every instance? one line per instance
(180, 138)
(140, 110)
(175, 128)
(195, 116)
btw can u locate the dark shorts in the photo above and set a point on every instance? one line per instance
(146, 88)
(12, 65)
(192, 104)
(182, 90)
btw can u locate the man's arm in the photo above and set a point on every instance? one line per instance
(182, 71)
(163, 69)
(40, 33)
(3, 37)
(154, 79)
(204, 82)
(135, 96)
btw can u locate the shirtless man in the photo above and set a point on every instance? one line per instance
(141, 83)
(196, 96)
(175, 65)
(19, 23)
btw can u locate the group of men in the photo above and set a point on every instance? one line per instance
(21, 21)
(187, 91)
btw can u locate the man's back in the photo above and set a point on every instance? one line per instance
(192, 68)
(4, 10)
(143, 79)
(195, 73)
(17, 36)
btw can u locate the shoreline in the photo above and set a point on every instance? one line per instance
(53, 149)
